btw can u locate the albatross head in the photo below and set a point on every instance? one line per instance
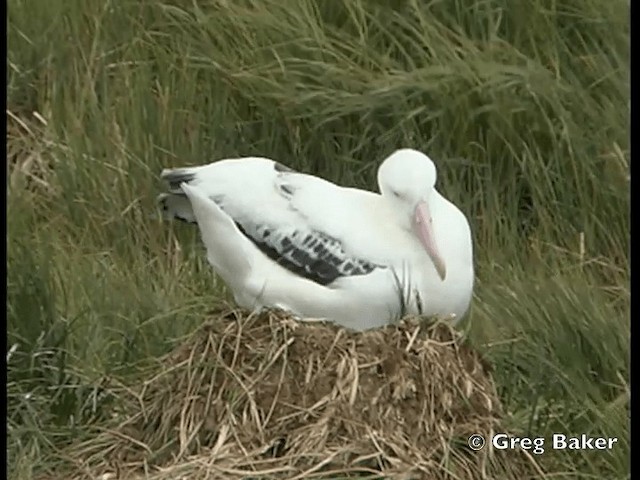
(407, 180)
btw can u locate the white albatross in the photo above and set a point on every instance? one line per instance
(288, 240)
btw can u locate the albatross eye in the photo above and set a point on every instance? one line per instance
(396, 194)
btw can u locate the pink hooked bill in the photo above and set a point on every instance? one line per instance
(424, 226)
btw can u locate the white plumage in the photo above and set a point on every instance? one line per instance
(283, 239)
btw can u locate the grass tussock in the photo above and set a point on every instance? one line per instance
(264, 395)
(522, 105)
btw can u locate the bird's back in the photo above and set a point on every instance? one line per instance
(235, 185)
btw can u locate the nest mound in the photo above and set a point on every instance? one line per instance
(266, 396)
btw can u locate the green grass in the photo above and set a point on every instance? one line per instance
(522, 104)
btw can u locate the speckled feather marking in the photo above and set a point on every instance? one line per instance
(310, 254)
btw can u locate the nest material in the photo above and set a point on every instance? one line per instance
(266, 396)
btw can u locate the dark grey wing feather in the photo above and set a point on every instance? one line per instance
(176, 176)
(279, 167)
(310, 254)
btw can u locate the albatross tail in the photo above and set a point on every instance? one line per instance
(176, 205)
(227, 250)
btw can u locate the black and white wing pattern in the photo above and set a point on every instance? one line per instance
(307, 253)
(267, 210)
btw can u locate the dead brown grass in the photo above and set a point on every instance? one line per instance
(265, 396)
(29, 163)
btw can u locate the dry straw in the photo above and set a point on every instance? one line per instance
(266, 396)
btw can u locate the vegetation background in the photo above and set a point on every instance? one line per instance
(523, 104)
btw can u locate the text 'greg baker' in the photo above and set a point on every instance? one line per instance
(583, 442)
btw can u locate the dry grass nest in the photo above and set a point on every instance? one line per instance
(266, 396)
